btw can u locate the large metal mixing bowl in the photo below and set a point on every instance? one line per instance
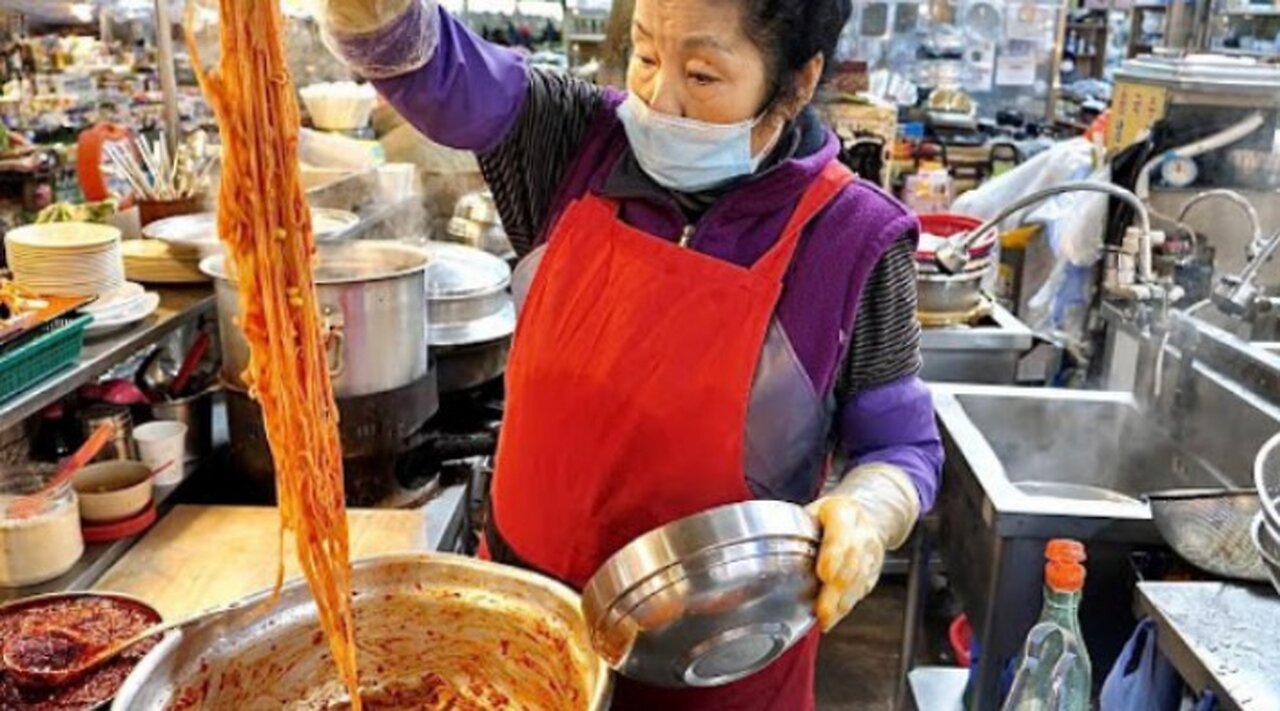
(470, 622)
(708, 599)
(1209, 528)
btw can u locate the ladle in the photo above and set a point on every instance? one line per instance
(51, 657)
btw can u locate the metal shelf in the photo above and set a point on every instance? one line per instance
(1237, 52)
(178, 306)
(1258, 12)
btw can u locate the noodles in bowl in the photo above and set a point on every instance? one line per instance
(431, 629)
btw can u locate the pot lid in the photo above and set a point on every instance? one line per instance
(344, 262)
(457, 271)
(203, 226)
(1206, 73)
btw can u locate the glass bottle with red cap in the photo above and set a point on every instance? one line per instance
(1054, 671)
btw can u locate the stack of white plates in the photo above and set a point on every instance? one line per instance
(120, 308)
(151, 261)
(66, 258)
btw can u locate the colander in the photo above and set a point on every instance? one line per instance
(1210, 528)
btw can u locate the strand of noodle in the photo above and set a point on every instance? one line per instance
(264, 219)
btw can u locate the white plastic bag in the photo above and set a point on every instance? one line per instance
(1073, 221)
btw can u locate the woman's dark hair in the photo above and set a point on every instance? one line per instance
(790, 33)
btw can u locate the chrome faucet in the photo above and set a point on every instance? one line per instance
(1256, 240)
(1238, 296)
(1129, 273)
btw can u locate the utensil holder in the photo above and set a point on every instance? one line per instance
(151, 210)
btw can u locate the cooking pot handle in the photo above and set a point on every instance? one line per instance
(334, 339)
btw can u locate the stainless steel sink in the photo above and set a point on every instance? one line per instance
(1027, 465)
(1064, 454)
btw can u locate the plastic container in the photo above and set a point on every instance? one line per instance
(47, 350)
(943, 224)
(41, 547)
(112, 491)
(396, 182)
(162, 445)
(196, 412)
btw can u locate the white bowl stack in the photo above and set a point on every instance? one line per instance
(339, 106)
(66, 258)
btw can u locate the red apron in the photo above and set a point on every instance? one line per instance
(627, 393)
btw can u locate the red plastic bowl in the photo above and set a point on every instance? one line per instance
(945, 224)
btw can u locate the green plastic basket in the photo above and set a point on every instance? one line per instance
(42, 353)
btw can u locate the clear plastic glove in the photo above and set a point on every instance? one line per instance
(872, 511)
(358, 16)
(379, 38)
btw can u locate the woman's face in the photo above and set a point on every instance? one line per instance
(691, 58)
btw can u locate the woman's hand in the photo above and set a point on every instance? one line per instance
(850, 559)
(358, 16)
(872, 511)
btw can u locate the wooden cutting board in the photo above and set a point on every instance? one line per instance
(201, 556)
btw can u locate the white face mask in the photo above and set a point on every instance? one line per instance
(686, 155)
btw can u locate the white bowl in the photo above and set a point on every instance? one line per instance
(112, 491)
(339, 106)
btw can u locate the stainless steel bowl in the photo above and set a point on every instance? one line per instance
(465, 620)
(478, 207)
(949, 294)
(1210, 529)
(491, 238)
(708, 599)
(1269, 549)
(1266, 477)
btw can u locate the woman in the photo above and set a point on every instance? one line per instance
(710, 305)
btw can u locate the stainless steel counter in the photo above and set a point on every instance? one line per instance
(1224, 637)
(985, 353)
(97, 559)
(444, 515)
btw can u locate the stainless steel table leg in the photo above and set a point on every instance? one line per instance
(911, 615)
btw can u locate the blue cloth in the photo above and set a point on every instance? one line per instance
(1142, 679)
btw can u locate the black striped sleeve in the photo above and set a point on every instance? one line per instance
(526, 168)
(886, 331)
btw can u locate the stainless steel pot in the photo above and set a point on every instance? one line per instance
(949, 294)
(472, 315)
(465, 620)
(467, 292)
(370, 295)
(461, 368)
